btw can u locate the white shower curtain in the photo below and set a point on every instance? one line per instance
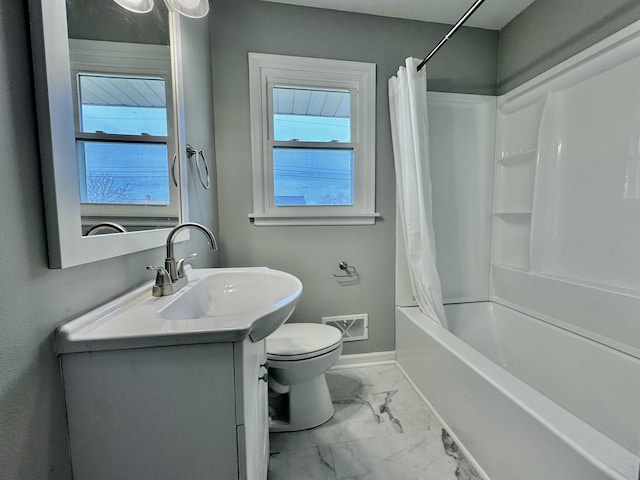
(410, 134)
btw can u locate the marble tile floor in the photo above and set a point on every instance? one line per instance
(381, 430)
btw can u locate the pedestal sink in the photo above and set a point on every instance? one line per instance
(218, 305)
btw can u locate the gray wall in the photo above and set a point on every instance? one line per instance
(550, 31)
(108, 21)
(33, 299)
(313, 253)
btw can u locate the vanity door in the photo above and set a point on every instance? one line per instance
(253, 414)
(152, 413)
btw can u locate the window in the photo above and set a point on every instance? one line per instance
(122, 140)
(124, 128)
(313, 141)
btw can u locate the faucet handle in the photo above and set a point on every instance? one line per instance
(180, 264)
(162, 276)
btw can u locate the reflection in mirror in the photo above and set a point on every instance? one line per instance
(123, 116)
(67, 143)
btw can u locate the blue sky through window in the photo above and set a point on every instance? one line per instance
(303, 176)
(125, 120)
(117, 171)
(312, 176)
(126, 173)
(122, 105)
(307, 128)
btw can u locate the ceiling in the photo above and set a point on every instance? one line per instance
(492, 14)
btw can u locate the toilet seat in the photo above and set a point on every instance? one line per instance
(300, 341)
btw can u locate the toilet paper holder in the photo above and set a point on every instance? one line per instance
(350, 271)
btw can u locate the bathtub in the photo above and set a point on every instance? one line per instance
(526, 400)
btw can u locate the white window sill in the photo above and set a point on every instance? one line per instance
(270, 220)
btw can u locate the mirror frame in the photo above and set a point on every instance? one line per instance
(51, 63)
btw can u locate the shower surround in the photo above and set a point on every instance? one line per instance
(541, 378)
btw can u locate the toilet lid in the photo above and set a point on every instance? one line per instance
(302, 338)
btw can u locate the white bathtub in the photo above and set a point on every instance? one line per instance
(526, 399)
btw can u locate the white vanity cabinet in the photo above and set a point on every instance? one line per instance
(190, 412)
(175, 387)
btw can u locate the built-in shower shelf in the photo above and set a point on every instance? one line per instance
(510, 267)
(514, 183)
(510, 243)
(514, 157)
(513, 213)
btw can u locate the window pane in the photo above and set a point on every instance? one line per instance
(311, 115)
(124, 173)
(122, 105)
(312, 176)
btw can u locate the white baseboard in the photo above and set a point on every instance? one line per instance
(365, 359)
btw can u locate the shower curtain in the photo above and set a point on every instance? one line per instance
(410, 135)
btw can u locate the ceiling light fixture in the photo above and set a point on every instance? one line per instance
(137, 6)
(189, 8)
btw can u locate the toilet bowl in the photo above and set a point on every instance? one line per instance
(298, 355)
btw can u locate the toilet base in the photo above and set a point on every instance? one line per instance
(308, 405)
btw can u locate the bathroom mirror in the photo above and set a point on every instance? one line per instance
(111, 127)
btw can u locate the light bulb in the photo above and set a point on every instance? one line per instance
(189, 8)
(137, 6)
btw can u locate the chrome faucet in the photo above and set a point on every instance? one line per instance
(172, 277)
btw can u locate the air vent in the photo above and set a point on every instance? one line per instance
(353, 327)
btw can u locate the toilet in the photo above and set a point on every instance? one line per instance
(298, 355)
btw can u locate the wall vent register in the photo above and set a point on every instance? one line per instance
(353, 327)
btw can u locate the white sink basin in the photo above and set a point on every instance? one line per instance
(218, 305)
(266, 296)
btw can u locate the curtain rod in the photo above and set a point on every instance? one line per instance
(451, 32)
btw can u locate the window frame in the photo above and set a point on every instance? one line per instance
(359, 78)
(103, 58)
